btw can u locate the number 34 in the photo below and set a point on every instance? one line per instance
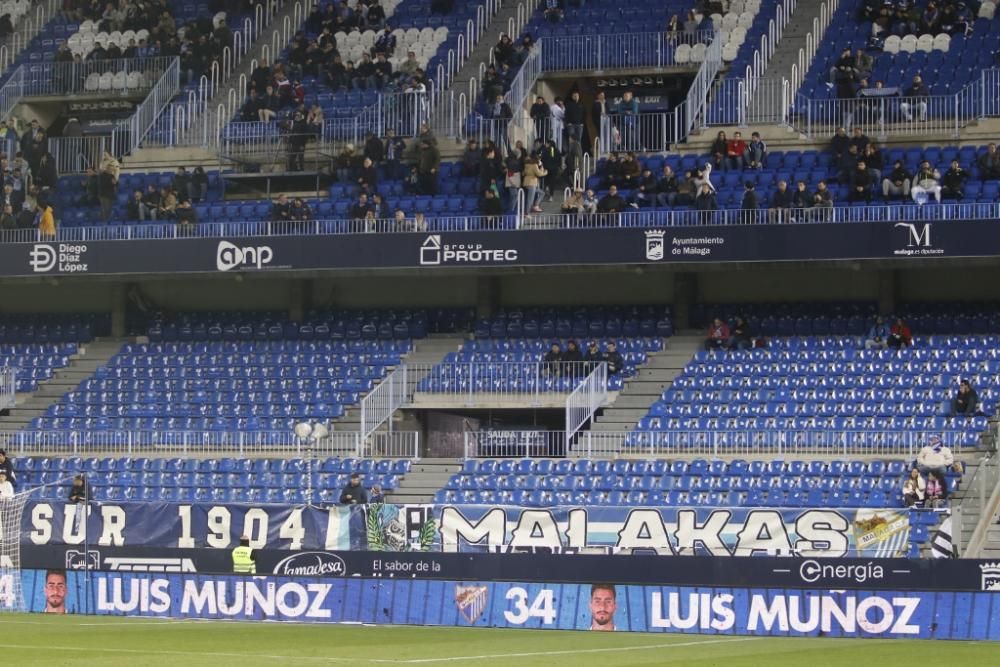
(542, 607)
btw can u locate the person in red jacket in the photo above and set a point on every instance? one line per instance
(718, 335)
(735, 148)
(900, 335)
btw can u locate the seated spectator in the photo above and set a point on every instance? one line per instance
(199, 184)
(756, 151)
(719, 151)
(953, 181)
(135, 209)
(368, 176)
(897, 183)
(361, 208)
(935, 457)
(186, 216)
(749, 205)
(629, 171)
(926, 181)
(281, 211)
(666, 187)
(354, 493)
(552, 359)
(590, 202)
(878, 335)
(300, 211)
(739, 335)
(900, 335)
(913, 489)
(182, 183)
(802, 198)
(267, 104)
(593, 355)
(377, 496)
(611, 202)
(918, 93)
(860, 140)
(46, 221)
(989, 163)
(571, 358)
(781, 203)
(573, 205)
(6, 488)
(872, 156)
(848, 165)
(644, 195)
(553, 11)
(863, 64)
(687, 190)
(706, 202)
(735, 149)
(840, 144)
(936, 489)
(7, 220)
(718, 335)
(503, 52)
(965, 401)
(861, 184)
(168, 204)
(78, 490)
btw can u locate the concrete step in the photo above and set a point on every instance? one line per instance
(644, 386)
(627, 399)
(622, 414)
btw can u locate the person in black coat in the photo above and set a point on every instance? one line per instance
(614, 359)
(78, 492)
(354, 493)
(750, 203)
(552, 359)
(573, 116)
(781, 202)
(966, 400)
(739, 335)
(706, 202)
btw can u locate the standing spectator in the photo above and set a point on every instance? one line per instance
(756, 151)
(718, 335)
(182, 183)
(878, 335)
(374, 149)
(471, 159)
(78, 490)
(540, 113)
(965, 401)
(926, 181)
(368, 176)
(781, 203)
(740, 336)
(394, 149)
(614, 359)
(7, 466)
(530, 180)
(573, 116)
(918, 94)
(574, 157)
(719, 151)
(47, 176)
(107, 183)
(6, 489)
(749, 205)
(706, 202)
(735, 149)
(552, 359)
(354, 493)
(557, 115)
(599, 116)
(897, 183)
(428, 162)
(900, 335)
(913, 489)
(553, 11)
(953, 181)
(989, 163)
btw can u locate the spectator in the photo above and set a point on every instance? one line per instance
(718, 335)
(749, 205)
(573, 205)
(557, 119)
(781, 203)
(530, 180)
(199, 184)
(281, 211)
(599, 116)
(872, 156)
(989, 163)
(611, 202)
(300, 211)
(666, 187)
(471, 159)
(918, 94)
(687, 190)
(552, 359)
(182, 183)
(860, 140)
(571, 360)
(503, 52)
(926, 181)
(913, 489)
(706, 202)
(965, 401)
(720, 151)
(7, 466)
(644, 195)
(739, 335)
(702, 177)
(878, 335)
(362, 207)
(935, 457)
(756, 151)
(574, 156)
(151, 202)
(573, 116)
(394, 147)
(267, 104)
(897, 183)
(78, 490)
(936, 489)
(377, 496)
(629, 171)
(861, 184)
(168, 204)
(614, 359)
(186, 216)
(490, 205)
(590, 202)
(953, 181)
(368, 176)
(7, 220)
(900, 335)
(374, 150)
(354, 493)
(46, 221)
(840, 144)
(735, 149)
(135, 209)
(6, 489)
(553, 12)
(46, 176)
(107, 184)
(802, 199)
(429, 160)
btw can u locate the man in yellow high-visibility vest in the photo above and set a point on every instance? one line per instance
(244, 558)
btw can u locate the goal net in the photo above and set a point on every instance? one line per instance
(11, 510)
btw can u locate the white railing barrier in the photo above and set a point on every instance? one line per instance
(378, 406)
(620, 51)
(398, 444)
(698, 94)
(743, 102)
(590, 396)
(984, 485)
(75, 155)
(12, 92)
(765, 443)
(127, 137)
(521, 444)
(500, 384)
(813, 40)
(26, 30)
(654, 131)
(8, 387)
(121, 76)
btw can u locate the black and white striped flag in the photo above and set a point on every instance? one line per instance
(942, 545)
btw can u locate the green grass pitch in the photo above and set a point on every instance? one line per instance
(88, 640)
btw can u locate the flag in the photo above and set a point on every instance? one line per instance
(942, 545)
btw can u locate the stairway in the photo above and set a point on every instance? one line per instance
(786, 54)
(426, 351)
(425, 478)
(653, 379)
(82, 365)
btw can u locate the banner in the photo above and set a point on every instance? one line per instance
(894, 574)
(630, 241)
(871, 533)
(593, 605)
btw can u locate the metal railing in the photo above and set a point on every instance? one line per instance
(519, 95)
(747, 101)
(590, 396)
(769, 41)
(622, 51)
(814, 38)
(378, 406)
(8, 387)
(883, 117)
(398, 444)
(652, 131)
(25, 30)
(697, 98)
(983, 487)
(515, 443)
(125, 76)
(653, 219)
(75, 155)
(127, 137)
(493, 385)
(11, 92)
(748, 443)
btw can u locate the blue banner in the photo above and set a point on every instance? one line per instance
(576, 606)
(869, 533)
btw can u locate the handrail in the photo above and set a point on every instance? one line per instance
(813, 41)
(378, 406)
(8, 387)
(985, 486)
(589, 397)
(26, 30)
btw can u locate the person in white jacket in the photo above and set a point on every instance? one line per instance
(6, 488)
(935, 457)
(913, 489)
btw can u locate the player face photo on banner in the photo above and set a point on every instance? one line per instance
(603, 605)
